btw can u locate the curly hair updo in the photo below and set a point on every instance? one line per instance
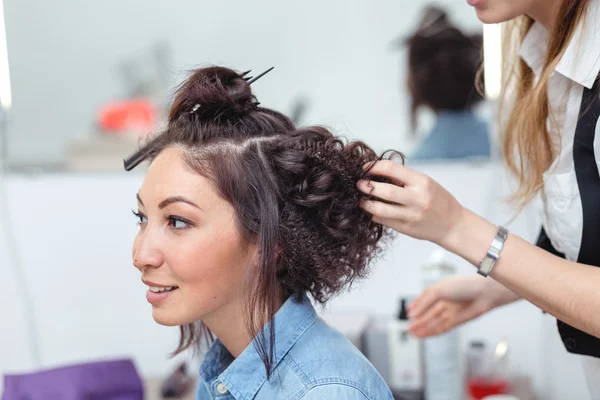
(293, 191)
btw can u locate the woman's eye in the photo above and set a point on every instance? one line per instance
(178, 223)
(141, 217)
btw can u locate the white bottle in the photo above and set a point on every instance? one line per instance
(443, 376)
(405, 358)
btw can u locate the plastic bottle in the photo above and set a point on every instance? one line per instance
(405, 358)
(443, 376)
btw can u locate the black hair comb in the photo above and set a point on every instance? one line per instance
(143, 152)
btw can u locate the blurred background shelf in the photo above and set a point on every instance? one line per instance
(99, 153)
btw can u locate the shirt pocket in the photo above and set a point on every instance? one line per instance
(563, 214)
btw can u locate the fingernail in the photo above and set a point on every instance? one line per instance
(413, 331)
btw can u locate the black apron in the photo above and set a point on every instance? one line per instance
(588, 181)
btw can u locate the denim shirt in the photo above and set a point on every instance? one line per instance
(456, 134)
(311, 361)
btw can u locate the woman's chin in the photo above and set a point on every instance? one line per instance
(163, 317)
(489, 15)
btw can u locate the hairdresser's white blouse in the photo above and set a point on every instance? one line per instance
(578, 69)
(570, 206)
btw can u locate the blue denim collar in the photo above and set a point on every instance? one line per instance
(244, 376)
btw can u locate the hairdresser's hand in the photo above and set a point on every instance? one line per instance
(421, 207)
(454, 301)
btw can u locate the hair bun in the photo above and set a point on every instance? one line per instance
(213, 92)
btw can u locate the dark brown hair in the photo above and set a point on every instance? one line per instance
(293, 192)
(443, 65)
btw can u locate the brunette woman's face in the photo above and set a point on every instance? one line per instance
(495, 11)
(188, 249)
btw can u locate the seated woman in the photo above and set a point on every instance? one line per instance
(442, 74)
(242, 218)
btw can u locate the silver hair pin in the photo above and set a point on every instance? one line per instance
(195, 108)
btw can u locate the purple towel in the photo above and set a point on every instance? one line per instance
(106, 380)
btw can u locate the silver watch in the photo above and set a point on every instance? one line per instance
(486, 265)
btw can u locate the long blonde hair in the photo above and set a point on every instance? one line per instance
(527, 146)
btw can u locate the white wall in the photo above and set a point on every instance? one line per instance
(64, 54)
(74, 234)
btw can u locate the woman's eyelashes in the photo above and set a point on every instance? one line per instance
(141, 217)
(173, 221)
(179, 223)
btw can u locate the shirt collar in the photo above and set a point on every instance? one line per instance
(581, 59)
(245, 375)
(455, 115)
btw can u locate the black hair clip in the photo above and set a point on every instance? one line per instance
(141, 154)
(250, 79)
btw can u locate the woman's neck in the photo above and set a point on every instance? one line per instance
(545, 12)
(228, 325)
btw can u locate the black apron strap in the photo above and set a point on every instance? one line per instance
(588, 181)
(543, 242)
(588, 177)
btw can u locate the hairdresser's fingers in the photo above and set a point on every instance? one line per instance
(431, 314)
(394, 223)
(434, 327)
(397, 172)
(425, 301)
(447, 322)
(432, 323)
(383, 210)
(384, 191)
(399, 217)
(472, 311)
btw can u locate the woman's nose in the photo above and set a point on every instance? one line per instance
(146, 253)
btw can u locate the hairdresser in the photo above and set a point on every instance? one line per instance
(550, 108)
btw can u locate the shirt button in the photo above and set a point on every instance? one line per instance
(221, 389)
(570, 343)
